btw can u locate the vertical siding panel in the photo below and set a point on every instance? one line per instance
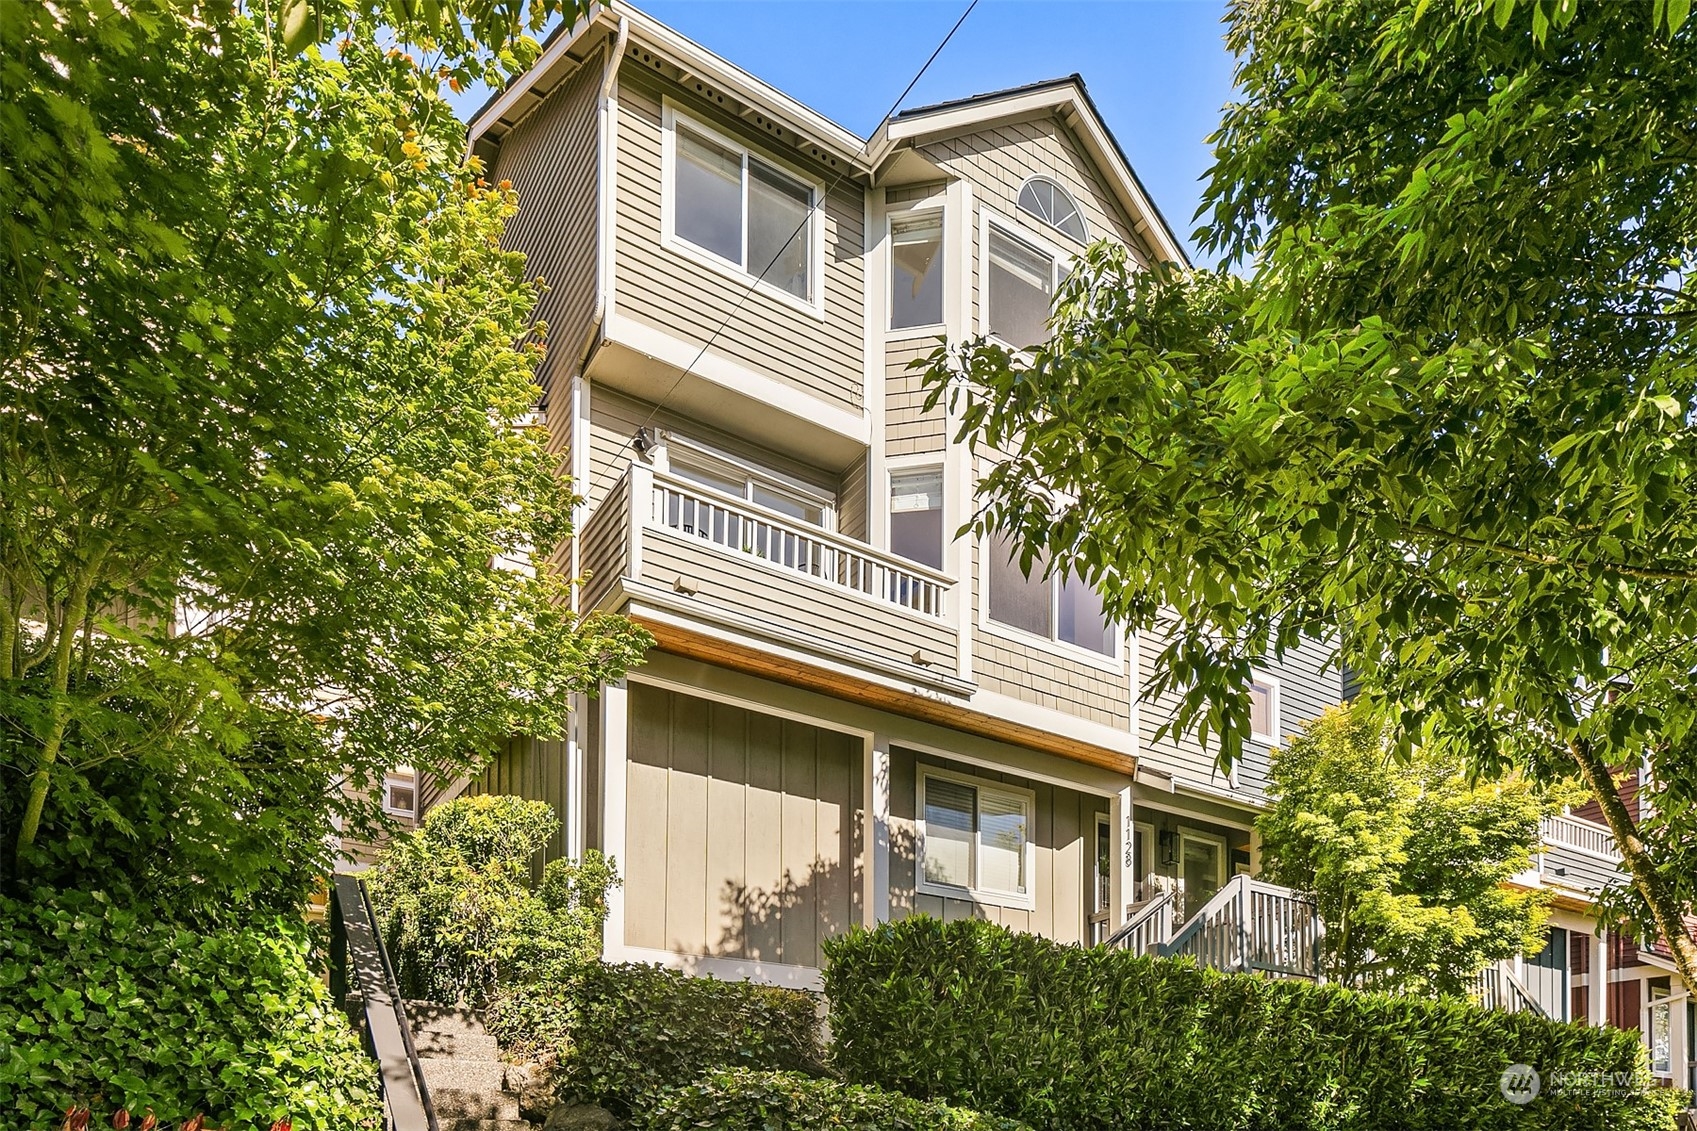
(799, 938)
(726, 834)
(832, 856)
(647, 817)
(686, 824)
(763, 812)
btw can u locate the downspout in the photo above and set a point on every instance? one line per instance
(603, 230)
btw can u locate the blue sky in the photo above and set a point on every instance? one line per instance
(1158, 69)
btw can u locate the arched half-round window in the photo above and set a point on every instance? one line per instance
(1050, 203)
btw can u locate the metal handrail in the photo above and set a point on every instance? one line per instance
(363, 975)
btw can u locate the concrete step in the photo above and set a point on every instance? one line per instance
(459, 1046)
(486, 1125)
(465, 1075)
(428, 1017)
(459, 1104)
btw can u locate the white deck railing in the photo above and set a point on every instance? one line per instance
(743, 528)
(1584, 836)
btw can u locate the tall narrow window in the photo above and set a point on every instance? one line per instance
(1017, 598)
(1022, 290)
(1263, 711)
(916, 271)
(1082, 620)
(708, 195)
(916, 516)
(743, 210)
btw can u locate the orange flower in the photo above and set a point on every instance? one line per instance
(506, 186)
(120, 1120)
(283, 1125)
(196, 1123)
(148, 1121)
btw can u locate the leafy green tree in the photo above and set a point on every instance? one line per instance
(1447, 419)
(269, 477)
(1408, 861)
(460, 912)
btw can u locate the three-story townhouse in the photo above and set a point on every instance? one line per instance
(850, 713)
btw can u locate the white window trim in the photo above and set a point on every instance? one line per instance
(1224, 857)
(697, 451)
(1273, 706)
(1070, 195)
(1108, 662)
(1144, 831)
(1014, 900)
(392, 780)
(1098, 823)
(920, 208)
(670, 116)
(1059, 257)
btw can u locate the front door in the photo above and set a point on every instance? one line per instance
(1202, 868)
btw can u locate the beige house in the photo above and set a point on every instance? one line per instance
(850, 714)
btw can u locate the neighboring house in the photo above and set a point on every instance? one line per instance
(1600, 976)
(850, 715)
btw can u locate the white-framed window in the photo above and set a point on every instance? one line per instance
(1064, 610)
(1045, 199)
(916, 270)
(742, 480)
(1143, 863)
(400, 795)
(1264, 710)
(975, 839)
(1022, 271)
(742, 212)
(916, 514)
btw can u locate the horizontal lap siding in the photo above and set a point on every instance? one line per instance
(852, 503)
(551, 159)
(1064, 823)
(1305, 690)
(741, 585)
(660, 287)
(606, 548)
(908, 428)
(1581, 869)
(996, 162)
(743, 836)
(1008, 665)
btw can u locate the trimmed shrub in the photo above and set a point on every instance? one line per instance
(116, 1008)
(618, 1035)
(1077, 1039)
(456, 907)
(787, 1101)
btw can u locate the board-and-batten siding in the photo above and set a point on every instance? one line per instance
(908, 428)
(1062, 832)
(551, 159)
(742, 831)
(667, 290)
(1004, 661)
(536, 770)
(767, 595)
(1307, 686)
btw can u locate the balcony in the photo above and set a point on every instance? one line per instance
(667, 547)
(1577, 854)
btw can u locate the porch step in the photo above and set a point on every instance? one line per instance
(453, 1074)
(457, 1045)
(428, 1017)
(459, 1105)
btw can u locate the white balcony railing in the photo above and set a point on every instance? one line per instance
(1581, 835)
(830, 559)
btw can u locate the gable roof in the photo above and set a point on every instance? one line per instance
(1069, 99)
(1066, 97)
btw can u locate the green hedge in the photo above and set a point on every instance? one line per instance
(1077, 1039)
(115, 1008)
(787, 1101)
(619, 1035)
